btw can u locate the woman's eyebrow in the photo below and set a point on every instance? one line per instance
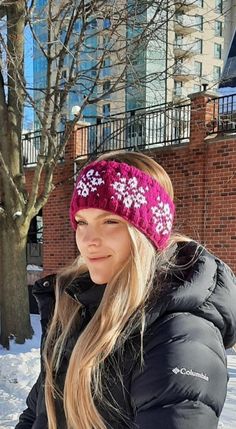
(101, 216)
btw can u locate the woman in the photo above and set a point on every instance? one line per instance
(141, 319)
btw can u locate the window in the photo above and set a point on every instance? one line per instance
(217, 51)
(92, 24)
(199, 22)
(178, 65)
(198, 46)
(216, 73)
(106, 86)
(64, 74)
(106, 110)
(179, 16)
(40, 3)
(199, 3)
(106, 23)
(107, 66)
(106, 40)
(91, 43)
(219, 6)
(198, 68)
(77, 26)
(196, 88)
(218, 28)
(178, 87)
(178, 40)
(137, 57)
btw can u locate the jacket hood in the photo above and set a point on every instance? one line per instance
(200, 284)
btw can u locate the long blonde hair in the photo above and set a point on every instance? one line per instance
(122, 305)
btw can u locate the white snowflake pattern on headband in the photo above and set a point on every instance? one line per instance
(129, 192)
(89, 182)
(162, 217)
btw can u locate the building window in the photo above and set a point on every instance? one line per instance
(178, 66)
(106, 23)
(178, 87)
(106, 86)
(198, 68)
(216, 73)
(199, 3)
(106, 110)
(217, 51)
(199, 22)
(107, 66)
(218, 28)
(64, 74)
(92, 24)
(198, 46)
(196, 88)
(106, 40)
(219, 6)
(178, 40)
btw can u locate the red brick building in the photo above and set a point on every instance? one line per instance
(203, 172)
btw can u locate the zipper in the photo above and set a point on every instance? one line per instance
(82, 313)
(82, 319)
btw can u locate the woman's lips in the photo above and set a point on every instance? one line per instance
(98, 258)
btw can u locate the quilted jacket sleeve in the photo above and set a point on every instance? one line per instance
(184, 379)
(43, 291)
(27, 418)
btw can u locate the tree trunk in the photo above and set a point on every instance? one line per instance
(15, 318)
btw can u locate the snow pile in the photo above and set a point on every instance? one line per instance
(19, 369)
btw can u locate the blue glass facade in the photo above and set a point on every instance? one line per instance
(142, 58)
(85, 67)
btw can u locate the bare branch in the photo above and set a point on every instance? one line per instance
(8, 177)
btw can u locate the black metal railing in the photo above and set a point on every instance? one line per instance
(140, 129)
(32, 146)
(137, 129)
(223, 115)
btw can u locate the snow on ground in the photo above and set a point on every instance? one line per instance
(19, 369)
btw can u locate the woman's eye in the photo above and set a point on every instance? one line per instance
(80, 222)
(111, 221)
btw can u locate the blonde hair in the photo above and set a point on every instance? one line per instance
(122, 308)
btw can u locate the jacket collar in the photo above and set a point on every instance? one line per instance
(86, 292)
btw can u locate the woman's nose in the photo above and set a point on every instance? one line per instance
(92, 236)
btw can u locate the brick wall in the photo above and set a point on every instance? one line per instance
(204, 178)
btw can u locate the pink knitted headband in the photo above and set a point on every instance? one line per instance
(128, 192)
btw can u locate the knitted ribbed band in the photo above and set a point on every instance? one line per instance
(128, 192)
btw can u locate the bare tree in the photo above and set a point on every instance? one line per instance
(124, 31)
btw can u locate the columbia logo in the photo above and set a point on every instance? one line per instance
(191, 373)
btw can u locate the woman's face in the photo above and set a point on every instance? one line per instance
(103, 241)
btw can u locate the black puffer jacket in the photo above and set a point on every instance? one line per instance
(184, 379)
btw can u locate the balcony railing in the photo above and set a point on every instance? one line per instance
(182, 73)
(185, 5)
(32, 146)
(184, 24)
(185, 49)
(223, 115)
(138, 130)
